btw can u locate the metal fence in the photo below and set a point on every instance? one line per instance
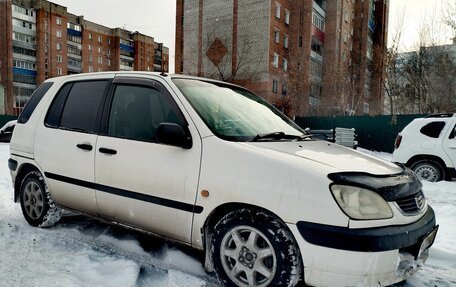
(5, 119)
(373, 132)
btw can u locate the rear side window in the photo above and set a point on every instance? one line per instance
(76, 106)
(33, 102)
(433, 129)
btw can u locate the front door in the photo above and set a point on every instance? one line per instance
(139, 182)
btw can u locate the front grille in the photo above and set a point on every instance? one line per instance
(412, 203)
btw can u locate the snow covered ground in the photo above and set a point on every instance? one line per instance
(84, 252)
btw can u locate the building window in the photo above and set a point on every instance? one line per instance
(108, 52)
(100, 39)
(284, 90)
(90, 69)
(108, 41)
(108, 62)
(277, 12)
(285, 41)
(287, 17)
(277, 36)
(100, 60)
(59, 47)
(45, 24)
(90, 36)
(99, 50)
(275, 63)
(275, 86)
(59, 71)
(58, 20)
(90, 47)
(284, 64)
(59, 59)
(318, 21)
(300, 41)
(59, 34)
(90, 59)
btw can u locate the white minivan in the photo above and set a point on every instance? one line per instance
(211, 165)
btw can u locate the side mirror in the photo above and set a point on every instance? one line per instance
(173, 134)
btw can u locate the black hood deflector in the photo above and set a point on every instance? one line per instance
(390, 187)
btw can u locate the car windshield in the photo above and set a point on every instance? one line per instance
(235, 114)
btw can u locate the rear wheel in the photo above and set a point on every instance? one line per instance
(252, 248)
(37, 206)
(428, 170)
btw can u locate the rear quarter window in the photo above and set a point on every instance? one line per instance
(33, 102)
(433, 129)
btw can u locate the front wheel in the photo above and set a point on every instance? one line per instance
(428, 170)
(37, 206)
(253, 248)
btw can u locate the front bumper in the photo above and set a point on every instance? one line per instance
(338, 256)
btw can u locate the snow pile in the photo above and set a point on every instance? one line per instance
(82, 252)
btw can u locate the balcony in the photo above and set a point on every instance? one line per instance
(24, 45)
(25, 31)
(26, 72)
(126, 58)
(127, 47)
(74, 68)
(316, 57)
(320, 9)
(20, 16)
(126, 68)
(24, 57)
(24, 86)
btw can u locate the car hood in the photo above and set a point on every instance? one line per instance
(332, 155)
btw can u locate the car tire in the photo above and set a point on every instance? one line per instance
(253, 248)
(428, 170)
(37, 205)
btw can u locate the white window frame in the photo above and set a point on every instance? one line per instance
(59, 71)
(58, 34)
(287, 17)
(277, 10)
(90, 36)
(90, 69)
(59, 59)
(276, 35)
(58, 21)
(284, 64)
(58, 46)
(100, 39)
(286, 39)
(275, 61)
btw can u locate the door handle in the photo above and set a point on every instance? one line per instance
(107, 151)
(85, 146)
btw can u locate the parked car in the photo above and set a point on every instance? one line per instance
(211, 165)
(7, 131)
(428, 146)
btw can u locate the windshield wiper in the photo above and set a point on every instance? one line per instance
(277, 136)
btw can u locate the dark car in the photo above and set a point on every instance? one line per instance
(7, 131)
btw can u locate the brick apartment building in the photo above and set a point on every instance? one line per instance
(41, 40)
(314, 55)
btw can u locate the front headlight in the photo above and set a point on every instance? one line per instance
(361, 203)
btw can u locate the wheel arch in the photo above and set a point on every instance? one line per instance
(24, 169)
(420, 157)
(217, 213)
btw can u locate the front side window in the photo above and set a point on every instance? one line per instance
(76, 106)
(137, 111)
(233, 113)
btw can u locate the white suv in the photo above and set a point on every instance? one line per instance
(428, 147)
(213, 166)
